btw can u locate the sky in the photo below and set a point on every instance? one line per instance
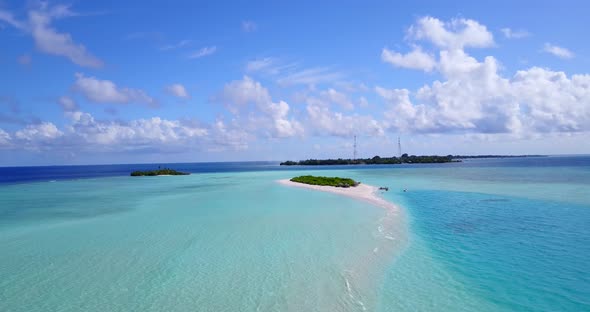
(101, 82)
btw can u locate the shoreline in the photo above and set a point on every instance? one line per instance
(364, 192)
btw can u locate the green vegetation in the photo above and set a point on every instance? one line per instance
(404, 159)
(330, 181)
(165, 171)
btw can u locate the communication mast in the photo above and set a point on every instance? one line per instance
(399, 147)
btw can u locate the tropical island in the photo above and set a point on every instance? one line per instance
(404, 159)
(159, 172)
(377, 160)
(326, 181)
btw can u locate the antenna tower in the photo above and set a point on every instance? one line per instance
(399, 146)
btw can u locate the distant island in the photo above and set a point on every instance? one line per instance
(329, 181)
(404, 159)
(159, 172)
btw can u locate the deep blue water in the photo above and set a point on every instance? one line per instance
(49, 173)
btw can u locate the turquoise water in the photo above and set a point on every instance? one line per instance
(495, 236)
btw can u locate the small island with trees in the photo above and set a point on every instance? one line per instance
(158, 172)
(326, 181)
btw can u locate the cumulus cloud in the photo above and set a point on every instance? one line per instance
(49, 40)
(205, 51)
(241, 94)
(228, 136)
(244, 91)
(45, 131)
(416, 59)
(84, 133)
(327, 113)
(558, 51)
(479, 100)
(135, 134)
(455, 34)
(4, 138)
(177, 90)
(106, 91)
(475, 98)
(324, 122)
(514, 34)
(339, 98)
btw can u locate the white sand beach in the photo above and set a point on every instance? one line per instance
(363, 192)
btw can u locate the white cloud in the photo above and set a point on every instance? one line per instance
(323, 122)
(134, 134)
(551, 101)
(177, 90)
(402, 113)
(4, 138)
(514, 34)
(282, 125)
(47, 38)
(455, 34)
(239, 95)
(68, 104)
(474, 98)
(39, 132)
(558, 51)
(479, 100)
(106, 91)
(333, 96)
(85, 134)
(249, 26)
(242, 92)
(224, 136)
(205, 51)
(416, 59)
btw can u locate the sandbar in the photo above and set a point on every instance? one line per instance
(364, 192)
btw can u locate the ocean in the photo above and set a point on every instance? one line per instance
(481, 235)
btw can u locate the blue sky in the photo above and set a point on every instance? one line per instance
(120, 82)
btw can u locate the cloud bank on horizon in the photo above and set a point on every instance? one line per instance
(463, 95)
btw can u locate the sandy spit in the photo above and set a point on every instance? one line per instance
(364, 192)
